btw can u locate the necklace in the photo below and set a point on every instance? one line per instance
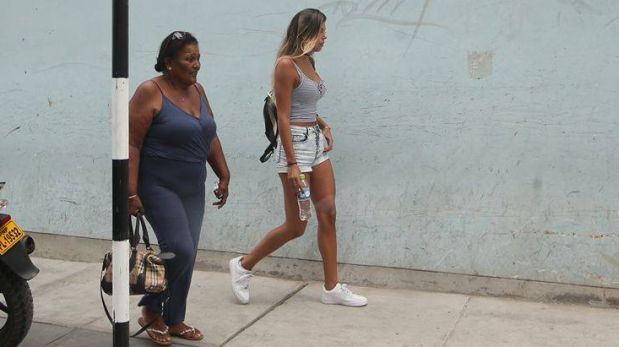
(173, 85)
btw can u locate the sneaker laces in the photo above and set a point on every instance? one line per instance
(345, 290)
(243, 280)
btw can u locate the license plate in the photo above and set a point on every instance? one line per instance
(10, 234)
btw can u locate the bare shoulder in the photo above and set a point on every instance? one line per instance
(285, 68)
(148, 90)
(146, 100)
(284, 63)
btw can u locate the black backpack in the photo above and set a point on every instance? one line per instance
(269, 112)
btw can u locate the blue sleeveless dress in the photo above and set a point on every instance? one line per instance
(171, 186)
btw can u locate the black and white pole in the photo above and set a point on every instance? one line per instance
(120, 170)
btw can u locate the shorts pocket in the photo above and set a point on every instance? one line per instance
(299, 135)
(299, 138)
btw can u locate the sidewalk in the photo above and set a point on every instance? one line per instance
(283, 313)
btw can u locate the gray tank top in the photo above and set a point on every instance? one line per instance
(305, 97)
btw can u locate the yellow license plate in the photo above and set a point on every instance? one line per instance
(10, 234)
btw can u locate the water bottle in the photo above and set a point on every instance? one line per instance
(303, 198)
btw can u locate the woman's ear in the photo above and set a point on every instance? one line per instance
(167, 63)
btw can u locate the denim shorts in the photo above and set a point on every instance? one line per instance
(309, 144)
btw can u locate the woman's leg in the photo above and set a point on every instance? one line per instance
(166, 213)
(194, 208)
(323, 196)
(292, 228)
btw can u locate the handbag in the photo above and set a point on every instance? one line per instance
(147, 273)
(147, 268)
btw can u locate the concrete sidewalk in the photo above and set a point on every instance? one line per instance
(285, 313)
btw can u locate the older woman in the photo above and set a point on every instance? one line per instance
(172, 137)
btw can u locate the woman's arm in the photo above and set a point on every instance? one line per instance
(217, 160)
(326, 130)
(322, 123)
(143, 106)
(284, 82)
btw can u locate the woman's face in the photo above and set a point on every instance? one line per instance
(185, 66)
(322, 38)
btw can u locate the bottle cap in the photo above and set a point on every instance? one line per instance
(302, 177)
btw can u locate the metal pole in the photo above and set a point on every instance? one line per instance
(120, 169)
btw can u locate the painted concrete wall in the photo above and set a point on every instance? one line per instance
(471, 136)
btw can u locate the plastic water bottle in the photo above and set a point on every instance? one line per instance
(303, 198)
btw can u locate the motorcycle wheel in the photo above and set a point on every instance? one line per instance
(15, 307)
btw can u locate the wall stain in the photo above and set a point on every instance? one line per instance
(480, 65)
(14, 130)
(351, 10)
(537, 183)
(369, 6)
(397, 6)
(385, 2)
(419, 20)
(581, 6)
(390, 21)
(611, 260)
(574, 298)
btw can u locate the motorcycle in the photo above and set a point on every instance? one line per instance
(16, 269)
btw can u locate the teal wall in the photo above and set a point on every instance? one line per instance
(475, 137)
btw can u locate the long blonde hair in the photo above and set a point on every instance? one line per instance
(303, 34)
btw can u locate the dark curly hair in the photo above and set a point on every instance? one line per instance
(170, 46)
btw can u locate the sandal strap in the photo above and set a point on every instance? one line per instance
(147, 327)
(164, 332)
(187, 331)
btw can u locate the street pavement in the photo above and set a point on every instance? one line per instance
(285, 313)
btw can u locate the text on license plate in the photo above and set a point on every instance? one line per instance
(10, 234)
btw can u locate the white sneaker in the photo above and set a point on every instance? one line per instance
(341, 295)
(240, 280)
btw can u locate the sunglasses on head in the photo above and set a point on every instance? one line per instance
(178, 35)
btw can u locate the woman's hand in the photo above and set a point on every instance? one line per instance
(221, 193)
(293, 177)
(329, 137)
(135, 205)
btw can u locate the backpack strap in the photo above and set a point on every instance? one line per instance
(268, 152)
(268, 109)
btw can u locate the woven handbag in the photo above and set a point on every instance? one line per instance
(147, 268)
(147, 273)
